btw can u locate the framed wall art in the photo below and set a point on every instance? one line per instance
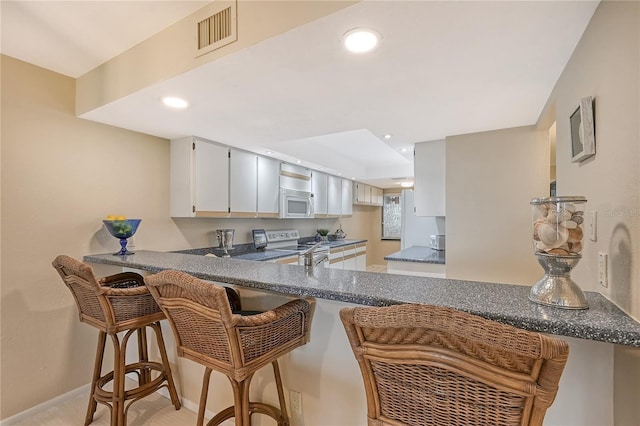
(583, 136)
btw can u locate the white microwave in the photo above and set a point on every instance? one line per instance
(295, 204)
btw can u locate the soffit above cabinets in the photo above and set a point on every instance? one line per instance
(441, 69)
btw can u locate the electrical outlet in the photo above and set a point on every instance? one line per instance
(603, 269)
(295, 402)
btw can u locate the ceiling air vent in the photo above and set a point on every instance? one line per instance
(218, 29)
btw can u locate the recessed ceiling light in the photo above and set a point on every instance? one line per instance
(174, 102)
(298, 161)
(403, 150)
(269, 152)
(406, 184)
(387, 136)
(361, 40)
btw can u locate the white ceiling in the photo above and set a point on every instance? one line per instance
(442, 68)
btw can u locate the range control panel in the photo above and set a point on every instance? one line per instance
(283, 235)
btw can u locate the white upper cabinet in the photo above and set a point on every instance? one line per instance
(319, 182)
(268, 186)
(347, 197)
(199, 178)
(334, 196)
(376, 196)
(429, 172)
(364, 194)
(243, 183)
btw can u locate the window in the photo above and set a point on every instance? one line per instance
(391, 217)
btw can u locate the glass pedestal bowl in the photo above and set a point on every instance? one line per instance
(123, 230)
(557, 241)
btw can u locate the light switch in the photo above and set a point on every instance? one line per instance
(592, 223)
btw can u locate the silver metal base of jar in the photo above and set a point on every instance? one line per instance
(557, 288)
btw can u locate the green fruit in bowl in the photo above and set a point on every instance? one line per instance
(122, 228)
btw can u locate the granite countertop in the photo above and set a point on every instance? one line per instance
(506, 303)
(418, 254)
(242, 251)
(248, 251)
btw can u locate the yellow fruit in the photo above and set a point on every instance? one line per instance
(121, 218)
(111, 217)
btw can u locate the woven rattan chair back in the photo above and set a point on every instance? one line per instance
(114, 304)
(209, 333)
(427, 365)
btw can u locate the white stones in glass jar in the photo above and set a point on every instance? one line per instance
(557, 225)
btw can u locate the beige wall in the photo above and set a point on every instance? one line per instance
(367, 223)
(605, 65)
(60, 176)
(491, 178)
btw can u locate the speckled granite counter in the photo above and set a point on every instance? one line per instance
(501, 302)
(248, 252)
(418, 254)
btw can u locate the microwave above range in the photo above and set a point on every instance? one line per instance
(296, 198)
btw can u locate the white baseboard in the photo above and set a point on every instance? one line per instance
(29, 412)
(54, 402)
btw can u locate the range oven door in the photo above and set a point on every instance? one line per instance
(295, 204)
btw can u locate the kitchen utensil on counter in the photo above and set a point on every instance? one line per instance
(225, 240)
(259, 239)
(123, 230)
(557, 241)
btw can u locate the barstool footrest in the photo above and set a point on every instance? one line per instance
(104, 396)
(254, 407)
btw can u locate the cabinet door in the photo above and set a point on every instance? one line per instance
(347, 197)
(376, 196)
(359, 196)
(429, 172)
(211, 179)
(268, 186)
(349, 258)
(243, 183)
(335, 258)
(361, 257)
(319, 182)
(334, 196)
(367, 194)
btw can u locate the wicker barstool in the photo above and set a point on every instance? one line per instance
(427, 365)
(114, 304)
(209, 333)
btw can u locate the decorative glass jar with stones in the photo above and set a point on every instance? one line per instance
(557, 240)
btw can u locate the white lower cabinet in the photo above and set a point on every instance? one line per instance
(290, 260)
(336, 258)
(349, 258)
(352, 257)
(361, 257)
(419, 269)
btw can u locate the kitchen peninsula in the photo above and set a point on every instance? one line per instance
(603, 321)
(325, 372)
(417, 260)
